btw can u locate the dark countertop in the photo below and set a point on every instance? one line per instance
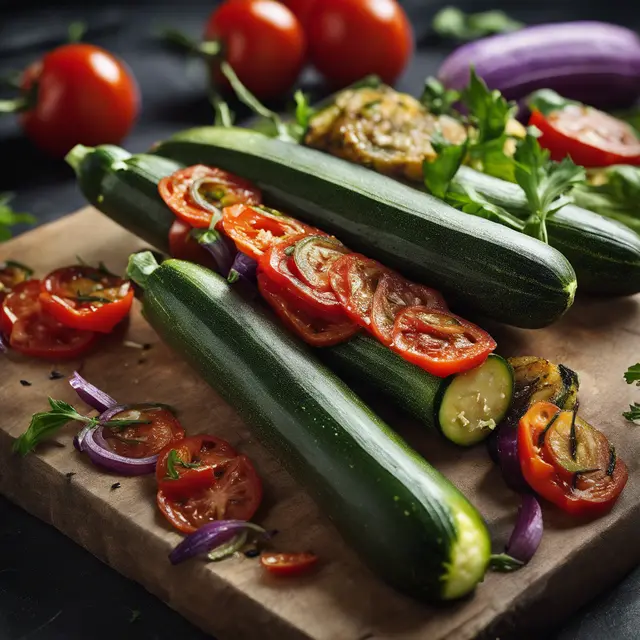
(51, 589)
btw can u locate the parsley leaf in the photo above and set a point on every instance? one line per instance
(439, 172)
(451, 22)
(633, 413)
(544, 182)
(437, 99)
(9, 217)
(632, 374)
(504, 563)
(304, 111)
(547, 100)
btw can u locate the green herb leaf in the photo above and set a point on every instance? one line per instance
(304, 111)
(547, 101)
(174, 459)
(451, 22)
(504, 563)
(45, 424)
(83, 298)
(631, 117)
(632, 374)
(141, 266)
(466, 199)
(9, 217)
(437, 99)
(439, 172)
(634, 412)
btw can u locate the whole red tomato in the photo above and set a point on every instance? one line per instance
(263, 42)
(349, 39)
(301, 9)
(84, 95)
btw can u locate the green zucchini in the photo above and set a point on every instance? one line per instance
(124, 187)
(405, 519)
(495, 271)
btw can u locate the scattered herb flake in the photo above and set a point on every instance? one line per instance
(26, 383)
(632, 374)
(634, 412)
(56, 375)
(115, 485)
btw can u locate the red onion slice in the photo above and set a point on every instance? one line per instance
(243, 269)
(93, 396)
(223, 251)
(527, 533)
(507, 449)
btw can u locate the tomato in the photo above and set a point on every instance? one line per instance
(393, 294)
(87, 298)
(254, 229)
(439, 342)
(193, 461)
(85, 95)
(313, 257)
(349, 39)
(262, 41)
(590, 137)
(301, 9)
(583, 478)
(183, 246)
(213, 187)
(288, 564)
(314, 330)
(278, 265)
(12, 274)
(354, 280)
(33, 332)
(143, 440)
(235, 494)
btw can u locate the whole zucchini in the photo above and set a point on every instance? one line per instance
(495, 271)
(404, 518)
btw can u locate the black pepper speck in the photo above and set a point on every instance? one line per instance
(56, 375)
(25, 383)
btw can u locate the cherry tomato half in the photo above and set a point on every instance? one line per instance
(314, 330)
(235, 494)
(183, 246)
(590, 137)
(87, 298)
(254, 229)
(85, 95)
(393, 294)
(354, 279)
(288, 564)
(583, 478)
(349, 39)
(187, 191)
(279, 266)
(33, 332)
(143, 440)
(439, 342)
(192, 464)
(12, 274)
(263, 42)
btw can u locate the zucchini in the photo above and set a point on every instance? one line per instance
(124, 187)
(495, 271)
(412, 526)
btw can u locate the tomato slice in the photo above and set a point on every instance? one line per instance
(313, 329)
(354, 280)
(143, 440)
(439, 341)
(393, 294)
(183, 246)
(33, 332)
(191, 466)
(254, 229)
(569, 462)
(235, 494)
(288, 564)
(278, 265)
(590, 137)
(195, 193)
(12, 274)
(313, 257)
(87, 298)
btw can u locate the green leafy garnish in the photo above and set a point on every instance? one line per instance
(10, 218)
(304, 111)
(547, 101)
(451, 22)
(634, 412)
(439, 172)
(632, 374)
(504, 563)
(631, 117)
(545, 183)
(174, 459)
(83, 298)
(437, 99)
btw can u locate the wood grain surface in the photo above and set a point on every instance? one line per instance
(599, 338)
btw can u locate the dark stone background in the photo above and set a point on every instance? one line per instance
(51, 589)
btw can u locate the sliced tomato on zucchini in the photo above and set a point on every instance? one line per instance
(393, 294)
(288, 564)
(197, 194)
(158, 428)
(440, 342)
(314, 330)
(567, 461)
(12, 274)
(83, 297)
(235, 493)
(184, 246)
(590, 137)
(313, 257)
(354, 280)
(254, 229)
(34, 332)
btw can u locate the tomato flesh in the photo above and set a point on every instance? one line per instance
(86, 298)
(288, 564)
(215, 187)
(590, 137)
(440, 342)
(313, 257)
(314, 330)
(393, 294)
(11, 275)
(183, 246)
(589, 488)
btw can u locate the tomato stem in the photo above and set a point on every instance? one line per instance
(206, 49)
(76, 31)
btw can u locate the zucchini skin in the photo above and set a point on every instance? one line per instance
(605, 254)
(495, 271)
(398, 512)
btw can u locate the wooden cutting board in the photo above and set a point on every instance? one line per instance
(343, 601)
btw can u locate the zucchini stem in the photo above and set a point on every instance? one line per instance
(141, 266)
(75, 157)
